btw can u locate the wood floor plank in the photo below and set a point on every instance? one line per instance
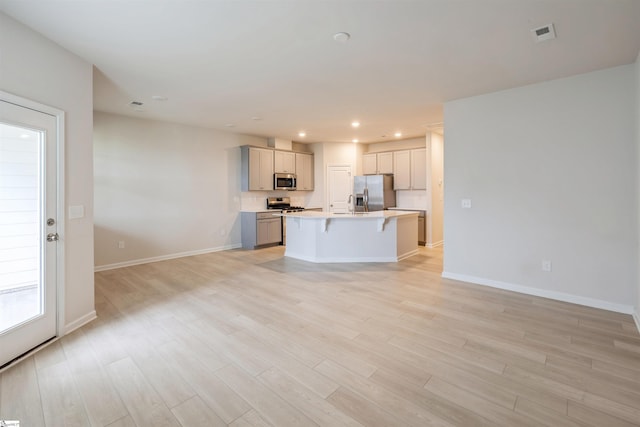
(477, 404)
(61, 401)
(312, 405)
(407, 412)
(100, 398)
(319, 384)
(542, 415)
(123, 422)
(267, 403)
(194, 413)
(223, 400)
(251, 419)
(143, 403)
(596, 418)
(171, 387)
(20, 393)
(360, 409)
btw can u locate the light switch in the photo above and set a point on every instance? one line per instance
(466, 203)
(76, 212)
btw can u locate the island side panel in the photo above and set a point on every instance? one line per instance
(301, 238)
(350, 239)
(407, 230)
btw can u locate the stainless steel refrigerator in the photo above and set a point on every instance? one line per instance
(373, 192)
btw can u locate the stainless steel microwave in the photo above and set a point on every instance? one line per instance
(284, 181)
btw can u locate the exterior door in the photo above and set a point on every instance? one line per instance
(28, 229)
(339, 188)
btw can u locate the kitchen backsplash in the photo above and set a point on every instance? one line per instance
(411, 199)
(252, 200)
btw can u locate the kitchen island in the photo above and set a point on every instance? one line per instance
(382, 236)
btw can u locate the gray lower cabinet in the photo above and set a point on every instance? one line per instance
(260, 229)
(422, 231)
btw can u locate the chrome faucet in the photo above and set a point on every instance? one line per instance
(351, 208)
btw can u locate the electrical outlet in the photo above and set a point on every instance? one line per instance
(546, 265)
(121, 244)
(466, 203)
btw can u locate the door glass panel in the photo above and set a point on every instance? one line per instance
(21, 219)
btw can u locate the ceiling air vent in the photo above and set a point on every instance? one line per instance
(546, 32)
(136, 105)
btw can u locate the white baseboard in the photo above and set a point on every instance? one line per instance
(164, 257)
(322, 260)
(559, 296)
(436, 244)
(636, 318)
(78, 323)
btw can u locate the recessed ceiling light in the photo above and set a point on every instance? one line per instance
(256, 118)
(302, 134)
(397, 134)
(159, 98)
(355, 124)
(342, 37)
(230, 125)
(355, 141)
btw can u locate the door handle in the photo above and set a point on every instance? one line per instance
(53, 237)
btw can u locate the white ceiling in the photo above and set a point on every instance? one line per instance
(226, 62)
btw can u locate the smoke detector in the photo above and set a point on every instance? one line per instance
(546, 32)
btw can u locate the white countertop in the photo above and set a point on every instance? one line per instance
(350, 216)
(408, 209)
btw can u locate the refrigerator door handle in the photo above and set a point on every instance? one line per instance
(366, 199)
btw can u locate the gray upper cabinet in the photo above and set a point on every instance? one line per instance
(257, 169)
(304, 171)
(284, 162)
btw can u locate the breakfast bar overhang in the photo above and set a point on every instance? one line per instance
(382, 236)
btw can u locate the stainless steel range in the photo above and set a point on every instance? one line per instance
(283, 204)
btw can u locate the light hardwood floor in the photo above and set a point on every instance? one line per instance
(250, 338)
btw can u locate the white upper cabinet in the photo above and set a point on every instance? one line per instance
(304, 171)
(385, 162)
(284, 162)
(402, 168)
(419, 169)
(257, 169)
(410, 169)
(377, 163)
(369, 164)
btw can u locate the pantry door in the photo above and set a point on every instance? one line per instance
(28, 228)
(340, 187)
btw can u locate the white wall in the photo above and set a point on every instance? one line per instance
(35, 68)
(331, 153)
(550, 169)
(164, 189)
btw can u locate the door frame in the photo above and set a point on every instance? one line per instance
(60, 202)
